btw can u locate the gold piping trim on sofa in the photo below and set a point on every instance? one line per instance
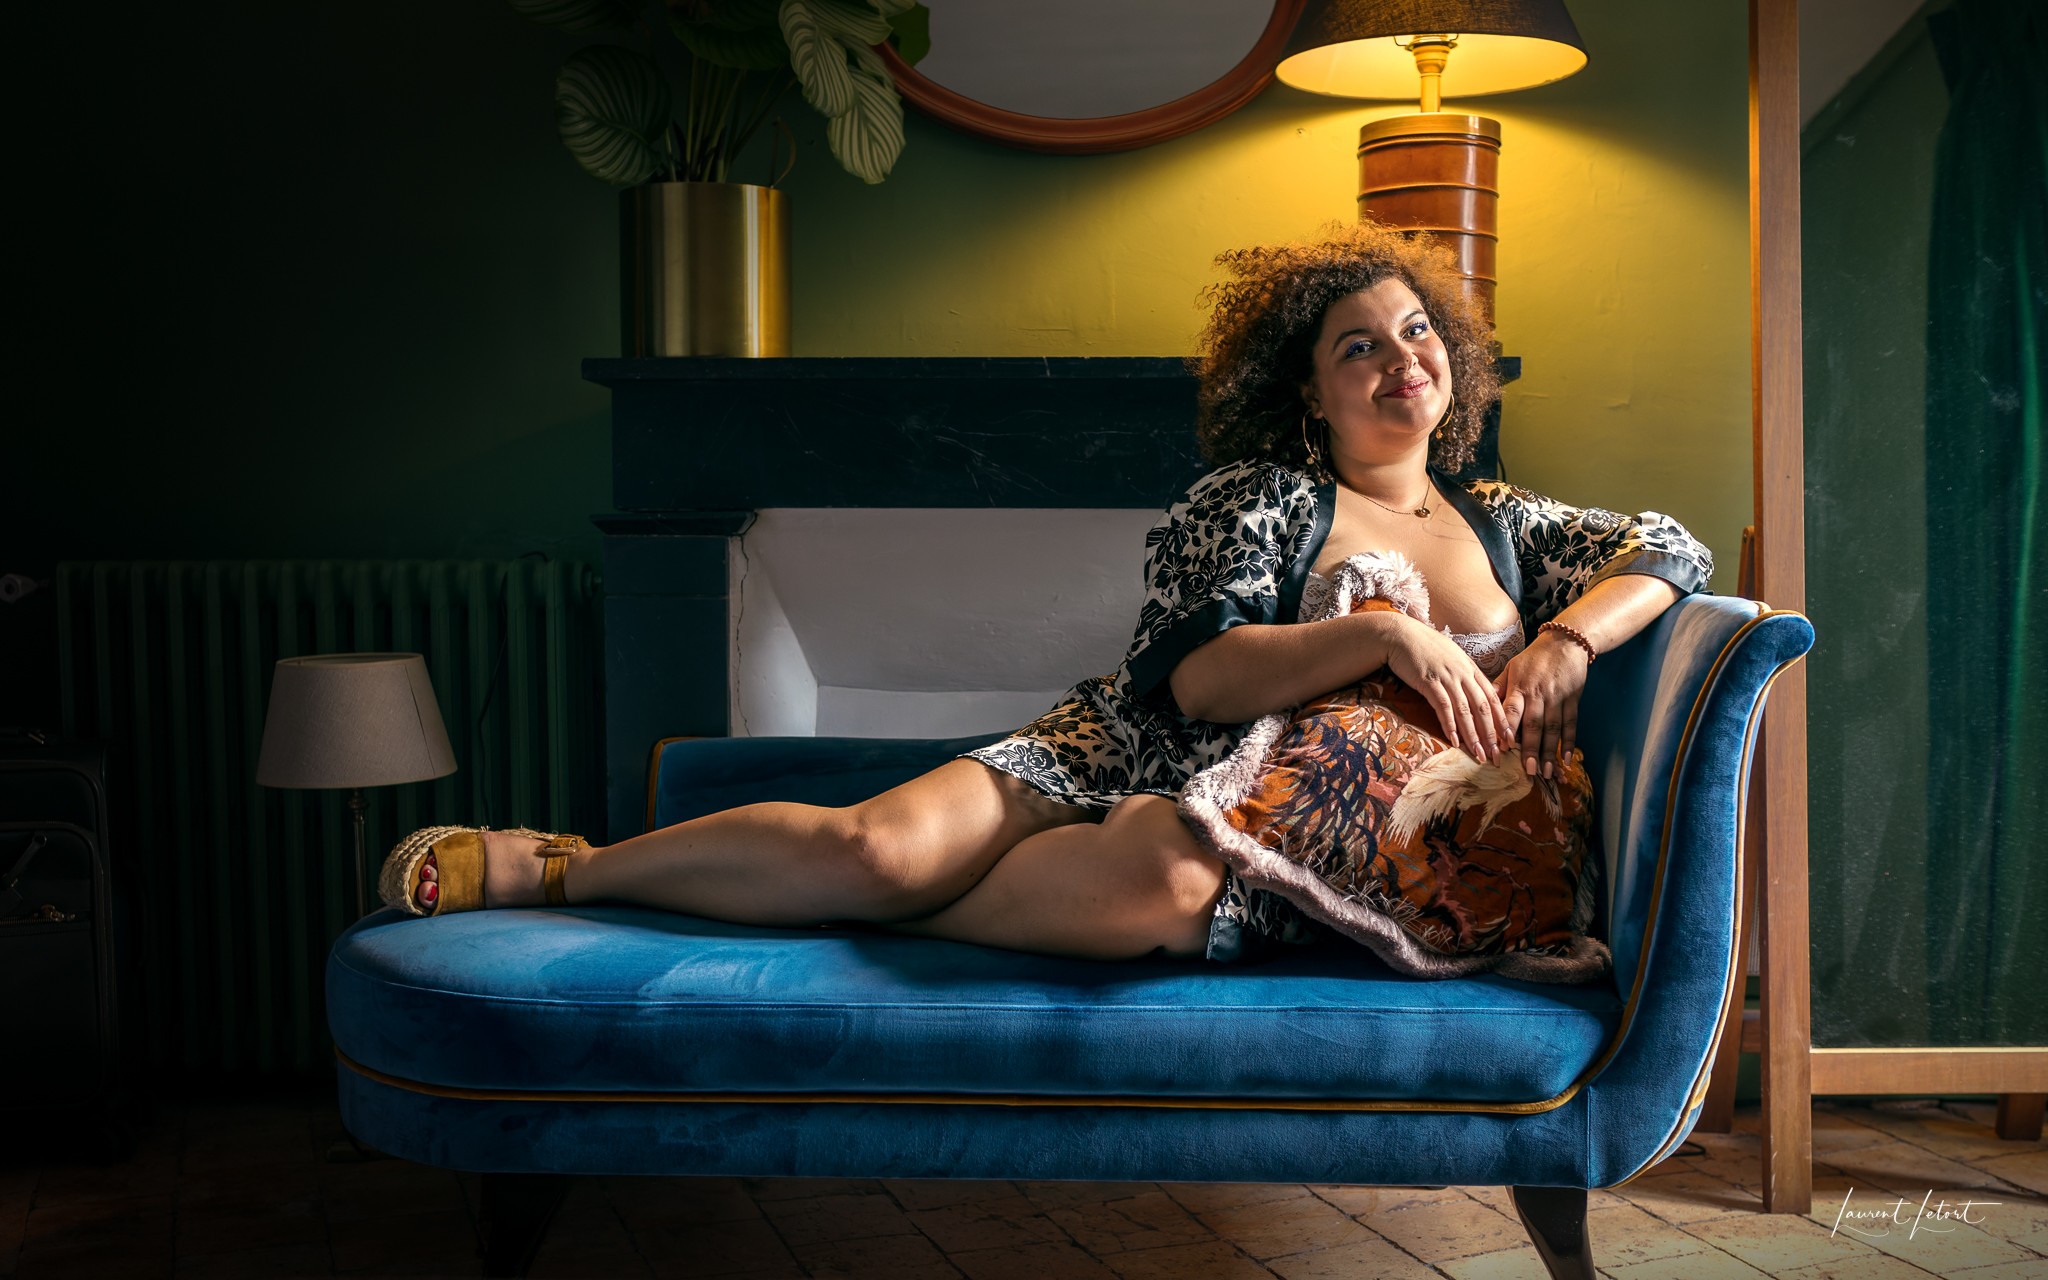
(1206, 1104)
(947, 1099)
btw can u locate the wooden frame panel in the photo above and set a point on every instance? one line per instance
(2021, 1069)
(1777, 372)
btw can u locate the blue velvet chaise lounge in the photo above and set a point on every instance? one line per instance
(533, 1044)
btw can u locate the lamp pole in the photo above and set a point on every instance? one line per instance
(346, 721)
(355, 808)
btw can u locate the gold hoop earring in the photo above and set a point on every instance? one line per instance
(1308, 446)
(1449, 409)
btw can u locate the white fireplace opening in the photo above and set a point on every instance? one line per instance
(925, 623)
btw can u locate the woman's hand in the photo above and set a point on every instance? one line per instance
(1540, 691)
(1432, 664)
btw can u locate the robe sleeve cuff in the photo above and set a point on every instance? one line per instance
(1150, 666)
(1677, 570)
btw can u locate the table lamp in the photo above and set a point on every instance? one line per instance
(1436, 171)
(353, 720)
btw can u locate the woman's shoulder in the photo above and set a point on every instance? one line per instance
(1514, 507)
(1251, 482)
(1495, 494)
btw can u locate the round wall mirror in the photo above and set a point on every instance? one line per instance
(1081, 76)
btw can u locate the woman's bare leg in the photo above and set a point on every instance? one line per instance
(905, 853)
(1136, 884)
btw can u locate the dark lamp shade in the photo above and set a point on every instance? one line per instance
(1345, 48)
(353, 720)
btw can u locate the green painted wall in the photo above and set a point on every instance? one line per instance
(314, 280)
(1868, 184)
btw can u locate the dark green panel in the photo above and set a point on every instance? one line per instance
(1868, 191)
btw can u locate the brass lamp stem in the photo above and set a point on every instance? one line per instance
(1431, 53)
(355, 808)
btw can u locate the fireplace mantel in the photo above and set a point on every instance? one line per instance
(739, 435)
(699, 445)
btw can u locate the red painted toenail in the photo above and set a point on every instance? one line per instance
(429, 891)
(428, 873)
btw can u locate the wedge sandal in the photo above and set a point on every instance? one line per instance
(437, 871)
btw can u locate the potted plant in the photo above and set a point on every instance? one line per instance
(704, 261)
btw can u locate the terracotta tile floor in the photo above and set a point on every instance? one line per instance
(255, 1189)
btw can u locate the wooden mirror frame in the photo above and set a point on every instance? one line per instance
(1096, 134)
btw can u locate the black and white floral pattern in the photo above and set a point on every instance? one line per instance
(1563, 550)
(1236, 550)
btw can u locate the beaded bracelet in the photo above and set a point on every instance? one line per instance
(1574, 635)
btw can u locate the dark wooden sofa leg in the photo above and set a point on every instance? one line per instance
(517, 1208)
(1555, 1218)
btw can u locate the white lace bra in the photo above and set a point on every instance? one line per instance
(1489, 650)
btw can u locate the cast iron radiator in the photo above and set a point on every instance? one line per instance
(241, 888)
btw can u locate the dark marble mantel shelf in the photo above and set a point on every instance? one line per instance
(713, 434)
(612, 371)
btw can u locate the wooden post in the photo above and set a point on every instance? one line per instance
(1776, 371)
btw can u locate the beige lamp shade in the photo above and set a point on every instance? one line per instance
(1359, 48)
(353, 720)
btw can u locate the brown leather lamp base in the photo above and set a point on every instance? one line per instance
(1439, 172)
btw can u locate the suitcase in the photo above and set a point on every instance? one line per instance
(61, 1058)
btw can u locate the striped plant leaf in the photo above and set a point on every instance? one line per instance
(613, 109)
(868, 137)
(855, 22)
(817, 57)
(891, 8)
(577, 15)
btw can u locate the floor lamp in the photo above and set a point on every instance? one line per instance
(353, 720)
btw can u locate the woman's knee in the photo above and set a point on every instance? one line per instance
(1179, 879)
(917, 847)
(878, 853)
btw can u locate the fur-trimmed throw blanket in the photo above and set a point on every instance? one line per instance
(1355, 810)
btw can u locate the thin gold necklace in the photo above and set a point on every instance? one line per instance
(1421, 510)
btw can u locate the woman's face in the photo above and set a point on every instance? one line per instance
(1382, 375)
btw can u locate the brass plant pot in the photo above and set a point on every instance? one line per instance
(704, 270)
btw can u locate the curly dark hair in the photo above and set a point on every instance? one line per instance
(1258, 348)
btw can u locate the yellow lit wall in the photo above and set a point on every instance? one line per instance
(1624, 256)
